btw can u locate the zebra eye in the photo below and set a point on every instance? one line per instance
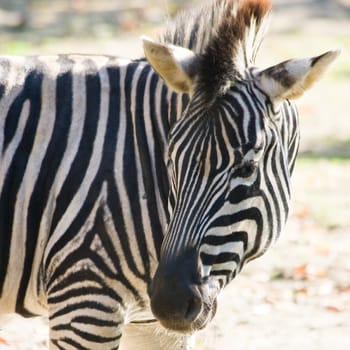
(245, 170)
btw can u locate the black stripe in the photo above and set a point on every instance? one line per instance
(88, 320)
(194, 35)
(73, 344)
(92, 305)
(252, 213)
(146, 163)
(237, 111)
(107, 164)
(238, 236)
(79, 166)
(130, 167)
(77, 345)
(254, 114)
(160, 145)
(106, 173)
(97, 339)
(215, 205)
(275, 209)
(31, 91)
(220, 258)
(48, 169)
(84, 250)
(79, 278)
(144, 321)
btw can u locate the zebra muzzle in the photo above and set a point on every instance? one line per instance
(180, 298)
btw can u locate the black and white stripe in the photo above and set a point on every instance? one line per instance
(83, 196)
(120, 197)
(231, 171)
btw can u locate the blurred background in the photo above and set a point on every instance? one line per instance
(298, 294)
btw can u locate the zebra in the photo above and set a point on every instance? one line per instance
(132, 191)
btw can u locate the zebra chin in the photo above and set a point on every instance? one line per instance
(181, 299)
(187, 324)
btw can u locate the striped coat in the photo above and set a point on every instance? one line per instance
(133, 191)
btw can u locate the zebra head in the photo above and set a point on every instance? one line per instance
(230, 158)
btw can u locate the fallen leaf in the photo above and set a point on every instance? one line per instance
(3, 341)
(344, 289)
(301, 213)
(333, 308)
(306, 271)
(300, 271)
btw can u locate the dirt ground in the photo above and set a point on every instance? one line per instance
(297, 296)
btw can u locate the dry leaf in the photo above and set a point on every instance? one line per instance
(333, 308)
(301, 213)
(300, 271)
(306, 271)
(3, 341)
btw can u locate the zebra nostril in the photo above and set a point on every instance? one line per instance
(194, 308)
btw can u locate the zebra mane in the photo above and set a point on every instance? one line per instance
(226, 34)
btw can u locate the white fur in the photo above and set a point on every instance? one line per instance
(153, 337)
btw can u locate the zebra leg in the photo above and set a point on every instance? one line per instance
(151, 336)
(84, 325)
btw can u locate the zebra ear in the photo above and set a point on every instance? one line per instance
(289, 79)
(173, 63)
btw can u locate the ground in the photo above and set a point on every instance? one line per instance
(298, 294)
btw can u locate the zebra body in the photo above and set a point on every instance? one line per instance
(79, 180)
(138, 188)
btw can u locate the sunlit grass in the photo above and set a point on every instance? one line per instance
(16, 47)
